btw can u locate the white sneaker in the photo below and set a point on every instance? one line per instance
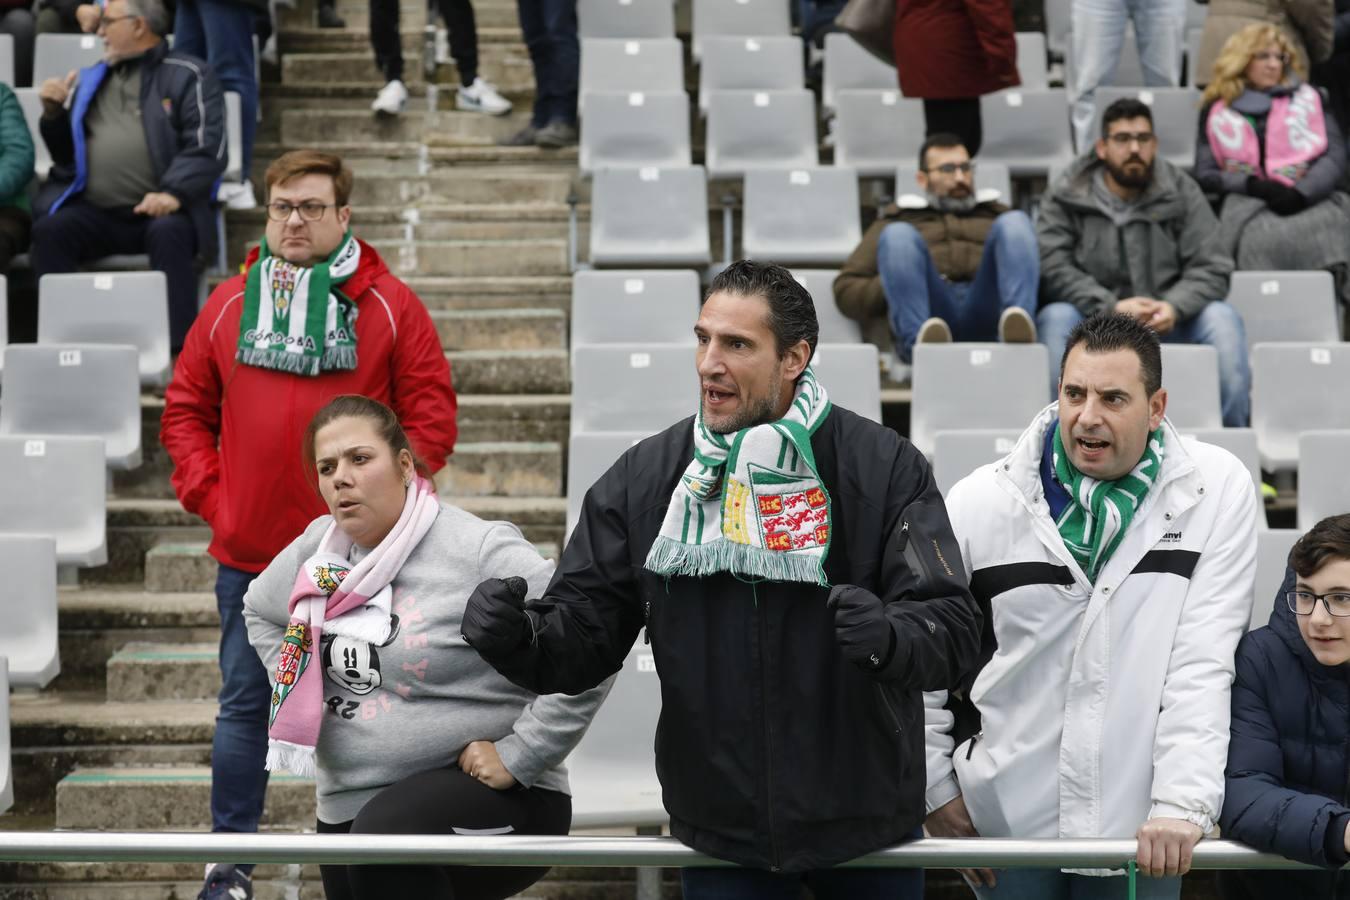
(236, 194)
(482, 96)
(391, 99)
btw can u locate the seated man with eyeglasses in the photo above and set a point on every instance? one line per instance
(315, 314)
(951, 264)
(1288, 756)
(137, 143)
(1122, 230)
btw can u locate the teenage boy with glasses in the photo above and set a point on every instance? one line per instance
(1288, 758)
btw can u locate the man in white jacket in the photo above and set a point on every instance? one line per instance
(1114, 564)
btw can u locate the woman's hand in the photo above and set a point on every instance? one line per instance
(480, 760)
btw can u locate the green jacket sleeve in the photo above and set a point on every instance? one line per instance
(16, 147)
(1205, 267)
(1062, 279)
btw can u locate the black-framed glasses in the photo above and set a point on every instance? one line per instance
(1302, 603)
(105, 21)
(965, 168)
(310, 210)
(1126, 138)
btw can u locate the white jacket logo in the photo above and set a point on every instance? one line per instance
(1171, 537)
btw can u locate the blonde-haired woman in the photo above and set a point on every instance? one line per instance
(1310, 24)
(1271, 148)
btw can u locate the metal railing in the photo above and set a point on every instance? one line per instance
(523, 850)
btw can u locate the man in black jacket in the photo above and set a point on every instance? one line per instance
(137, 144)
(800, 586)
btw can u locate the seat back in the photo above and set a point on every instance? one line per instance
(1272, 561)
(1028, 131)
(650, 216)
(851, 374)
(989, 176)
(54, 55)
(28, 607)
(612, 771)
(110, 308)
(875, 131)
(760, 130)
(625, 19)
(975, 385)
(749, 64)
(803, 217)
(1285, 306)
(1323, 476)
(56, 486)
(1032, 62)
(1058, 25)
(1295, 386)
(634, 307)
(1241, 442)
(7, 59)
(634, 129)
(835, 327)
(1172, 107)
(1191, 377)
(639, 387)
(32, 114)
(67, 389)
(589, 455)
(4, 320)
(958, 453)
(748, 18)
(651, 65)
(848, 67)
(6, 768)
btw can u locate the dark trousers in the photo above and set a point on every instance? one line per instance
(960, 117)
(15, 226)
(459, 23)
(79, 232)
(239, 747)
(21, 24)
(221, 32)
(445, 801)
(550, 31)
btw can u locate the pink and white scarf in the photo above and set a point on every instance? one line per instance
(1296, 134)
(352, 601)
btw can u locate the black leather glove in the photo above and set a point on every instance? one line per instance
(861, 627)
(1282, 200)
(495, 621)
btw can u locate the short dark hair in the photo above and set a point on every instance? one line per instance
(792, 312)
(356, 406)
(1105, 332)
(1125, 108)
(1326, 541)
(942, 139)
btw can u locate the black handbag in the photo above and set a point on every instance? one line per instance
(872, 24)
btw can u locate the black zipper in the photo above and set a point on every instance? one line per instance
(890, 710)
(646, 622)
(768, 728)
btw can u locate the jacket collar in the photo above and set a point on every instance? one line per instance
(915, 200)
(371, 267)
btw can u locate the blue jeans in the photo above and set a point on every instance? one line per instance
(550, 31)
(239, 748)
(1218, 325)
(221, 32)
(1052, 884)
(1009, 271)
(824, 884)
(1099, 35)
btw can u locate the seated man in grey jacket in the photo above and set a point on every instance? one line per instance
(1124, 231)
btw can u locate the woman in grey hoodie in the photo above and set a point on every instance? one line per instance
(418, 734)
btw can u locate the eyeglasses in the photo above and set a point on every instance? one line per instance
(1125, 138)
(1267, 56)
(1302, 603)
(964, 168)
(105, 21)
(310, 210)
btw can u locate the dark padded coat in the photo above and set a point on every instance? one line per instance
(1288, 762)
(773, 750)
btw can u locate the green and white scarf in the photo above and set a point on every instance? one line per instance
(1095, 521)
(751, 502)
(294, 318)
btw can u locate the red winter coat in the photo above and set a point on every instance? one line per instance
(253, 491)
(948, 49)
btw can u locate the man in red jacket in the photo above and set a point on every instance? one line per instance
(316, 314)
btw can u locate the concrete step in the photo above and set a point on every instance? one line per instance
(501, 257)
(85, 719)
(429, 218)
(305, 37)
(165, 671)
(511, 371)
(504, 470)
(38, 769)
(493, 291)
(405, 159)
(524, 417)
(505, 65)
(313, 127)
(501, 329)
(168, 799)
(96, 623)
